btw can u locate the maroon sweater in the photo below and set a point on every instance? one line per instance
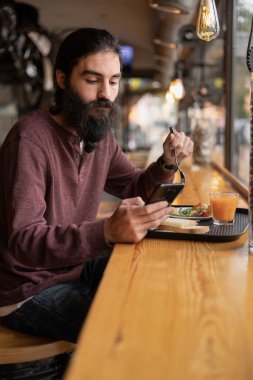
(49, 198)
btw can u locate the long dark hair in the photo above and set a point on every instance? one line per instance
(76, 45)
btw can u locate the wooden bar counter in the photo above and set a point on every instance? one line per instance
(173, 309)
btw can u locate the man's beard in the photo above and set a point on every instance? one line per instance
(92, 120)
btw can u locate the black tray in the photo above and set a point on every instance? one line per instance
(215, 234)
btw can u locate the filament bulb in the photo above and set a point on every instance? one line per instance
(208, 26)
(177, 89)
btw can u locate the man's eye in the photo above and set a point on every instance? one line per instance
(114, 83)
(91, 81)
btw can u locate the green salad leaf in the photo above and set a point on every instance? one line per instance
(182, 212)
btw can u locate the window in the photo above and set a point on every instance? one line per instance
(241, 128)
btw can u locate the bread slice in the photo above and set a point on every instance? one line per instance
(183, 226)
(178, 222)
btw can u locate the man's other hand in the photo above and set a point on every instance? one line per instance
(176, 143)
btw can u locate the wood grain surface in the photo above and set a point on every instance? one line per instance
(17, 347)
(172, 309)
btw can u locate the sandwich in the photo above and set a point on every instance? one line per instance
(183, 226)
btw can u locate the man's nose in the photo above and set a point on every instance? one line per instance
(105, 91)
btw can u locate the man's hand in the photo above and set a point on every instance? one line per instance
(132, 219)
(179, 144)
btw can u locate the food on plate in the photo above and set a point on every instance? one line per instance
(183, 226)
(174, 222)
(199, 210)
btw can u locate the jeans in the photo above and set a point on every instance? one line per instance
(58, 312)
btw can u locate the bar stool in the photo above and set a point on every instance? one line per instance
(27, 357)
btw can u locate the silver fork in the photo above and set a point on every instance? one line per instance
(182, 176)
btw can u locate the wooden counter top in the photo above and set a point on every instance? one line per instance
(172, 309)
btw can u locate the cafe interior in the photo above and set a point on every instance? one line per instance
(174, 306)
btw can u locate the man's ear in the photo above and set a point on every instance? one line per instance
(60, 79)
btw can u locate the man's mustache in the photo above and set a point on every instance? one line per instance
(100, 103)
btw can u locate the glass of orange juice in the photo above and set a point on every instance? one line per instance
(224, 207)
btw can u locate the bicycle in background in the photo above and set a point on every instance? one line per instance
(25, 54)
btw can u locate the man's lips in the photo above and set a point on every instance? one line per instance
(100, 109)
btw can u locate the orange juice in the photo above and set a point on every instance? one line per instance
(224, 206)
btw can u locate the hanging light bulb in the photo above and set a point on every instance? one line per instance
(169, 97)
(177, 89)
(208, 26)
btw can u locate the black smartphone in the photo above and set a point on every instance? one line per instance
(166, 192)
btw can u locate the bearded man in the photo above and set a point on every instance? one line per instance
(54, 167)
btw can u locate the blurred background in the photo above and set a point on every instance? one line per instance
(171, 77)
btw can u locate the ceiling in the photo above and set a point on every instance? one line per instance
(133, 21)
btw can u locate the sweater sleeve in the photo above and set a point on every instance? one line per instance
(124, 180)
(33, 240)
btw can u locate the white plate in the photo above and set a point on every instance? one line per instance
(188, 217)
